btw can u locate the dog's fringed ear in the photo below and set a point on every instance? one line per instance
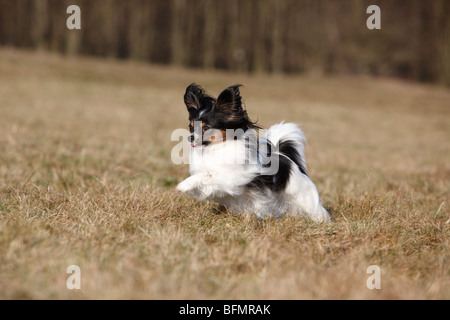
(229, 107)
(193, 91)
(230, 101)
(196, 98)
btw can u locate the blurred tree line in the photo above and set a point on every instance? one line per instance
(275, 36)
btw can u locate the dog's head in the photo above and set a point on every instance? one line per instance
(210, 118)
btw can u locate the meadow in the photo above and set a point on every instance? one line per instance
(86, 179)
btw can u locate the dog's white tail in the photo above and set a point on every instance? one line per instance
(302, 195)
(289, 140)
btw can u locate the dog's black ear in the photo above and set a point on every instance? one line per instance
(196, 98)
(191, 97)
(230, 101)
(230, 111)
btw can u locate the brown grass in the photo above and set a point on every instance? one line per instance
(86, 179)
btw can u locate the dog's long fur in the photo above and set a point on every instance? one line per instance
(221, 169)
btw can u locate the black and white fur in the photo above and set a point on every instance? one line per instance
(220, 169)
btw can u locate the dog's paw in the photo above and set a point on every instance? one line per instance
(195, 187)
(198, 181)
(185, 186)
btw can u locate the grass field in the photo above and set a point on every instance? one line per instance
(86, 179)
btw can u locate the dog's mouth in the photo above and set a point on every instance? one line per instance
(207, 137)
(200, 143)
(195, 145)
(197, 141)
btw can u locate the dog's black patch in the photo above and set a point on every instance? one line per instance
(276, 182)
(289, 150)
(288, 155)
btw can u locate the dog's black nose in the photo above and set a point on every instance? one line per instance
(191, 138)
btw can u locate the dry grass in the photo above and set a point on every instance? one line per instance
(86, 179)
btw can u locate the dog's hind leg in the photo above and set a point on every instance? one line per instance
(304, 198)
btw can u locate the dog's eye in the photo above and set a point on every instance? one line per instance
(206, 127)
(191, 128)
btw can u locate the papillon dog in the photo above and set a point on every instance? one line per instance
(246, 169)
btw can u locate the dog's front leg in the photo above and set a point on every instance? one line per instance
(198, 185)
